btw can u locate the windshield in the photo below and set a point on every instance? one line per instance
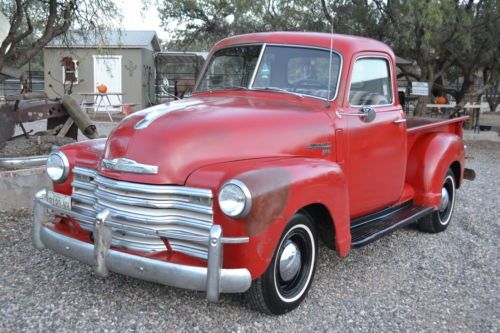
(230, 68)
(298, 70)
(285, 69)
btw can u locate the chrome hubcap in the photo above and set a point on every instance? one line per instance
(290, 261)
(445, 200)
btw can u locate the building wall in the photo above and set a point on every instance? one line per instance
(132, 72)
(149, 76)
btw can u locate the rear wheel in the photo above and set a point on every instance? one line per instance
(438, 221)
(286, 281)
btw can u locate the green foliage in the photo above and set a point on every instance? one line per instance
(35, 23)
(201, 23)
(446, 38)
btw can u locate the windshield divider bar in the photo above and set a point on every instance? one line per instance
(257, 65)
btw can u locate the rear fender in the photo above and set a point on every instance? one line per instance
(428, 162)
(279, 189)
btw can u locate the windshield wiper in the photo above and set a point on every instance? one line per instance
(278, 89)
(234, 88)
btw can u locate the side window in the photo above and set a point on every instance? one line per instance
(370, 82)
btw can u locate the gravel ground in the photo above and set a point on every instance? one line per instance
(409, 281)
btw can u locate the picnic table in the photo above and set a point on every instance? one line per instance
(102, 100)
(472, 109)
(489, 119)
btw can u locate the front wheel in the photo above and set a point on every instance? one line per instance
(286, 281)
(438, 221)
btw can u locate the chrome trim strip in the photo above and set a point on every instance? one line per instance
(153, 189)
(161, 110)
(214, 263)
(128, 165)
(23, 162)
(106, 196)
(84, 185)
(254, 74)
(84, 198)
(159, 220)
(85, 172)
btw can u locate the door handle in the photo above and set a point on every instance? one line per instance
(340, 114)
(366, 114)
(400, 121)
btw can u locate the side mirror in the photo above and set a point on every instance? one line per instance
(368, 114)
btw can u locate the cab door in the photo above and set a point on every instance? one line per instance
(376, 147)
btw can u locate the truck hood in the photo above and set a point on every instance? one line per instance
(182, 136)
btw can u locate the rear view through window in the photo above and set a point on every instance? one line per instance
(370, 82)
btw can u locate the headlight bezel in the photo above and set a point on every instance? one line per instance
(65, 165)
(246, 192)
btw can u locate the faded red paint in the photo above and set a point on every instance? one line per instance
(262, 139)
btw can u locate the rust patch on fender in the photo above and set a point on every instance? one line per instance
(269, 189)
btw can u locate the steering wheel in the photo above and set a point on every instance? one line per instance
(310, 83)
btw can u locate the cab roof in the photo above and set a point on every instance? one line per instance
(341, 43)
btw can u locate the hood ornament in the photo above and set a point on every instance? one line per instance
(127, 165)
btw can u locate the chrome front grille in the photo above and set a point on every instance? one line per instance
(142, 215)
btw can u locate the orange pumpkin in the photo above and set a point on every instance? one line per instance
(441, 100)
(102, 88)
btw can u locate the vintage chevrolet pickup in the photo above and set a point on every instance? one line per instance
(288, 140)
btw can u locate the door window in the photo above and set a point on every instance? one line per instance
(370, 83)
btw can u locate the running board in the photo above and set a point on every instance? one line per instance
(369, 231)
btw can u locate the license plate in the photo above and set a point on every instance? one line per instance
(59, 200)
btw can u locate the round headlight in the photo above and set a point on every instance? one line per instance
(234, 199)
(57, 167)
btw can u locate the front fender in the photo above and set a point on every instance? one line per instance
(279, 187)
(428, 162)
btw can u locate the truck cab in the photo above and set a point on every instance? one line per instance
(289, 139)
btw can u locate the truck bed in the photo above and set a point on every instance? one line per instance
(418, 124)
(418, 127)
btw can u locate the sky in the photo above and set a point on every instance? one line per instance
(134, 19)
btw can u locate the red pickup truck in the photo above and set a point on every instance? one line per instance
(289, 139)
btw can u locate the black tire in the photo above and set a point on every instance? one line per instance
(439, 220)
(285, 284)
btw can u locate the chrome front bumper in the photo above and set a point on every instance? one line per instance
(213, 279)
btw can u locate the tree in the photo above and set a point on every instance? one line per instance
(491, 77)
(448, 38)
(201, 23)
(479, 31)
(33, 24)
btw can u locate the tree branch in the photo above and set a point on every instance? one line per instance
(325, 11)
(51, 30)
